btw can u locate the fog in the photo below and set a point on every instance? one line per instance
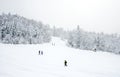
(90, 15)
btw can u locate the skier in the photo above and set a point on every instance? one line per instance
(65, 63)
(53, 44)
(39, 52)
(95, 50)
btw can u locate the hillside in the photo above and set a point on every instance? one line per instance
(24, 61)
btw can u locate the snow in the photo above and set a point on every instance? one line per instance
(25, 61)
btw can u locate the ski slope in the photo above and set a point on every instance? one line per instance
(25, 61)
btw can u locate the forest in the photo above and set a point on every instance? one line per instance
(15, 29)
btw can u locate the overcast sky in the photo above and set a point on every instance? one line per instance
(91, 15)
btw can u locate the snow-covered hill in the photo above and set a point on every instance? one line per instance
(25, 61)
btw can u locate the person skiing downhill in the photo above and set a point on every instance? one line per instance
(40, 52)
(65, 63)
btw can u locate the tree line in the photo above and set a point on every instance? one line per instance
(15, 29)
(81, 39)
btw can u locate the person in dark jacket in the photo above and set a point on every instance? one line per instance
(95, 50)
(39, 52)
(65, 63)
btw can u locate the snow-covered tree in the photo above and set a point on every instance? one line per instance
(94, 41)
(15, 29)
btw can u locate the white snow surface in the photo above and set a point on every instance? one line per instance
(25, 61)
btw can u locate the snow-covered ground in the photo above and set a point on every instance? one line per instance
(25, 61)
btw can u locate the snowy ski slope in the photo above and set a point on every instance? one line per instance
(25, 61)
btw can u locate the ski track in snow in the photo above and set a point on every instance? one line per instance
(25, 61)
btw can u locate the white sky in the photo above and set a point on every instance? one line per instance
(91, 15)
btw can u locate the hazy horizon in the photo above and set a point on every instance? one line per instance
(90, 15)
